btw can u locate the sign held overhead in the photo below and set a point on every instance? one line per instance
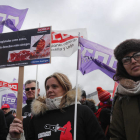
(27, 47)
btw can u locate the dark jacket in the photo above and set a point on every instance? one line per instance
(9, 119)
(56, 124)
(104, 119)
(26, 113)
(90, 104)
(87, 125)
(125, 124)
(103, 114)
(3, 126)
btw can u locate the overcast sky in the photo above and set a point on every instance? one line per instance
(108, 22)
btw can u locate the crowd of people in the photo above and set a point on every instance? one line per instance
(52, 116)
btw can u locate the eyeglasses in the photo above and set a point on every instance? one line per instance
(32, 88)
(127, 60)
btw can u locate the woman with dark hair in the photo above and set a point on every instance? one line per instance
(53, 115)
(125, 123)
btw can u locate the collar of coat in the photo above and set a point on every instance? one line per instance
(39, 106)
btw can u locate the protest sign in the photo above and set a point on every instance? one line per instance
(65, 42)
(8, 94)
(27, 47)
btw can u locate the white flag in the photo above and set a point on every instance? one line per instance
(65, 42)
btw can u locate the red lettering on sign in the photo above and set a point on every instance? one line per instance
(43, 29)
(61, 38)
(12, 86)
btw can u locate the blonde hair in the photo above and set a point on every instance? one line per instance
(64, 82)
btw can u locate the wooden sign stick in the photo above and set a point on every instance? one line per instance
(20, 94)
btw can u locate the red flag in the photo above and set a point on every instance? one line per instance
(115, 87)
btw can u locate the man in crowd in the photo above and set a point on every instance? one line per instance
(30, 88)
(89, 102)
(8, 116)
(3, 126)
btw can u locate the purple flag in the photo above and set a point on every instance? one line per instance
(11, 17)
(10, 99)
(94, 56)
(8, 93)
(24, 95)
(14, 79)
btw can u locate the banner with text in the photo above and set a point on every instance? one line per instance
(65, 42)
(8, 94)
(27, 47)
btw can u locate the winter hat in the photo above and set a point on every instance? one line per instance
(103, 95)
(127, 46)
(5, 106)
(83, 93)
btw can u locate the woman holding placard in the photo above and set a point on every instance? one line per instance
(53, 116)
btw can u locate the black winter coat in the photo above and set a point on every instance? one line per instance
(55, 124)
(9, 119)
(91, 105)
(26, 113)
(3, 126)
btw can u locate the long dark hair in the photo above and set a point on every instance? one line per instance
(120, 72)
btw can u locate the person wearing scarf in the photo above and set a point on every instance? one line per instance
(125, 122)
(53, 115)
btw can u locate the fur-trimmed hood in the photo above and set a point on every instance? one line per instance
(91, 100)
(39, 106)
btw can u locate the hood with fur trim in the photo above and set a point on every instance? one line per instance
(91, 100)
(39, 106)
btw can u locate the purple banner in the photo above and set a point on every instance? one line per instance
(9, 99)
(94, 56)
(24, 95)
(9, 96)
(11, 17)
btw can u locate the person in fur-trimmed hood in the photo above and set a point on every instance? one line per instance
(125, 123)
(53, 116)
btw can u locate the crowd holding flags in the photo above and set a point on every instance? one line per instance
(92, 56)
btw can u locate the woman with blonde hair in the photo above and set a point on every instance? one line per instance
(53, 116)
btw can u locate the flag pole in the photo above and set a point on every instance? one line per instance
(36, 81)
(36, 77)
(75, 111)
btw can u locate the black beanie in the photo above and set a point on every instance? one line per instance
(127, 46)
(83, 93)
